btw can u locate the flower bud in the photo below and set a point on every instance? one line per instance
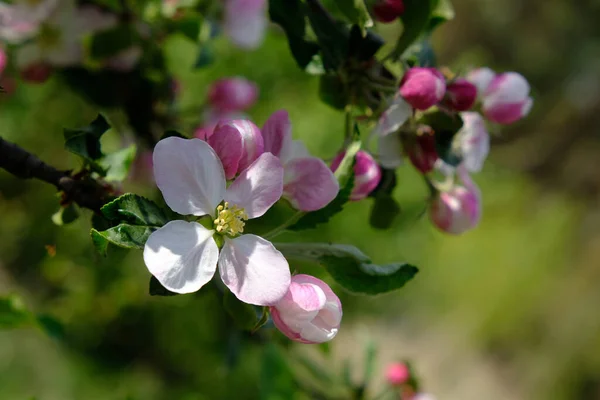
(237, 143)
(397, 374)
(481, 78)
(232, 94)
(457, 210)
(36, 73)
(212, 118)
(422, 153)
(3, 60)
(460, 95)
(387, 11)
(423, 87)
(309, 312)
(506, 100)
(367, 174)
(474, 141)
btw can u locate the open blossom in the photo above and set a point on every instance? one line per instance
(474, 141)
(212, 118)
(422, 88)
(457, 210)
(245, 22)
(308, 183)
(397, 374)
(232, 94)
(183, 256)
(367, 174)
(237, 143)
(386, 11)
(309, 312)
(506, 99)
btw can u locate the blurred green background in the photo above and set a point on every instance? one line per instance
(507, 311)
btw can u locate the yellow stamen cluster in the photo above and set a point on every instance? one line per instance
(230, 220)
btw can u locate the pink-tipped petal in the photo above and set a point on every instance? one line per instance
(258, 187)
(506, 100)
(227, 143)
(309, 184)
(252, 141)
(277, 135)
(254, 270)
(189, 175)
(182, 256)
(481, 78)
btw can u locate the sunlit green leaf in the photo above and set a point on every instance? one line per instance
(122, 235)
(65, 215)
(118, 164)
(136, 210)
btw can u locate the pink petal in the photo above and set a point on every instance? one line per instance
(258, 187)
(254, 270)
(227, 143)
(309, 184)
(182, 256)
(277, 135)
(189, 175)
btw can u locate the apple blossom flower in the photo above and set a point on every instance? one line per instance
(237, 143)
(183, 255)
(387, 11)
(394, 116)
(245, 22)
(309, 312)
(506, 99)
(367, 174)
(460, 95)
(212, 118)
(473, 140)
(458, 209)
(481, 78)
(308, 183)
(232, 94)
(422, 153)
(397, 373)
(423, 87)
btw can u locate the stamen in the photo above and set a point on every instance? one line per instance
(230, 219)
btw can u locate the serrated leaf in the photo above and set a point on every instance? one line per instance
(122, 235)
(351, 268)
(65, 215)
(118, 164)
(13, 313)
(243, 315)
(85, 141)
(156, 289)
(290, 15)
(414, 21)
(136, 210)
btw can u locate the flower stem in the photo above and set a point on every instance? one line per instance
(281, 228)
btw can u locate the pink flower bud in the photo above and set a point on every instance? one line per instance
(397, 374)
(387, 11)
(237, 143)
(423, 87)
(309, 312)
(422, 153)
(506, 100)
(459, 209)
(3, 60)
(232, 94)
(481, 78)
(367, 174)
(36, 73)
(460, 95)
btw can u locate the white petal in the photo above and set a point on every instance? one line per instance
(182, 256)
(189, 175)
(394, 117)
(390, 151)
(258, 187)
(254, 270)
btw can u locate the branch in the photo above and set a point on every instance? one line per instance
(85, 191)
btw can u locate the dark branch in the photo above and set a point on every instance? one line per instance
(84, 190)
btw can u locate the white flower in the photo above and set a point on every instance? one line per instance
(183, 256)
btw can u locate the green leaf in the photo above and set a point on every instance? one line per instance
(136, 210)
(345, 176)
(51, 326)
(264, 318)
(414, 20)
(446, 126)
(189, 26)
(276, 377)
(122, 235)
(243, 315)
(156, 289)
(350, 267)
(13, 313)
(110, 42)
(85, 142)
(443, 11)
(333, 92)
(356, 11)
(421, 53)
(290, 15)
(206, 56)
(118, 164)
(332, 35)
(65, 215)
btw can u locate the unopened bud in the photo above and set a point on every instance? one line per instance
(397, 374)
(232, 94)
(422, 88)
(506, 100)
(367, 174)
(422, 153)
(457, 210)
(460, 95)
(387, 11)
